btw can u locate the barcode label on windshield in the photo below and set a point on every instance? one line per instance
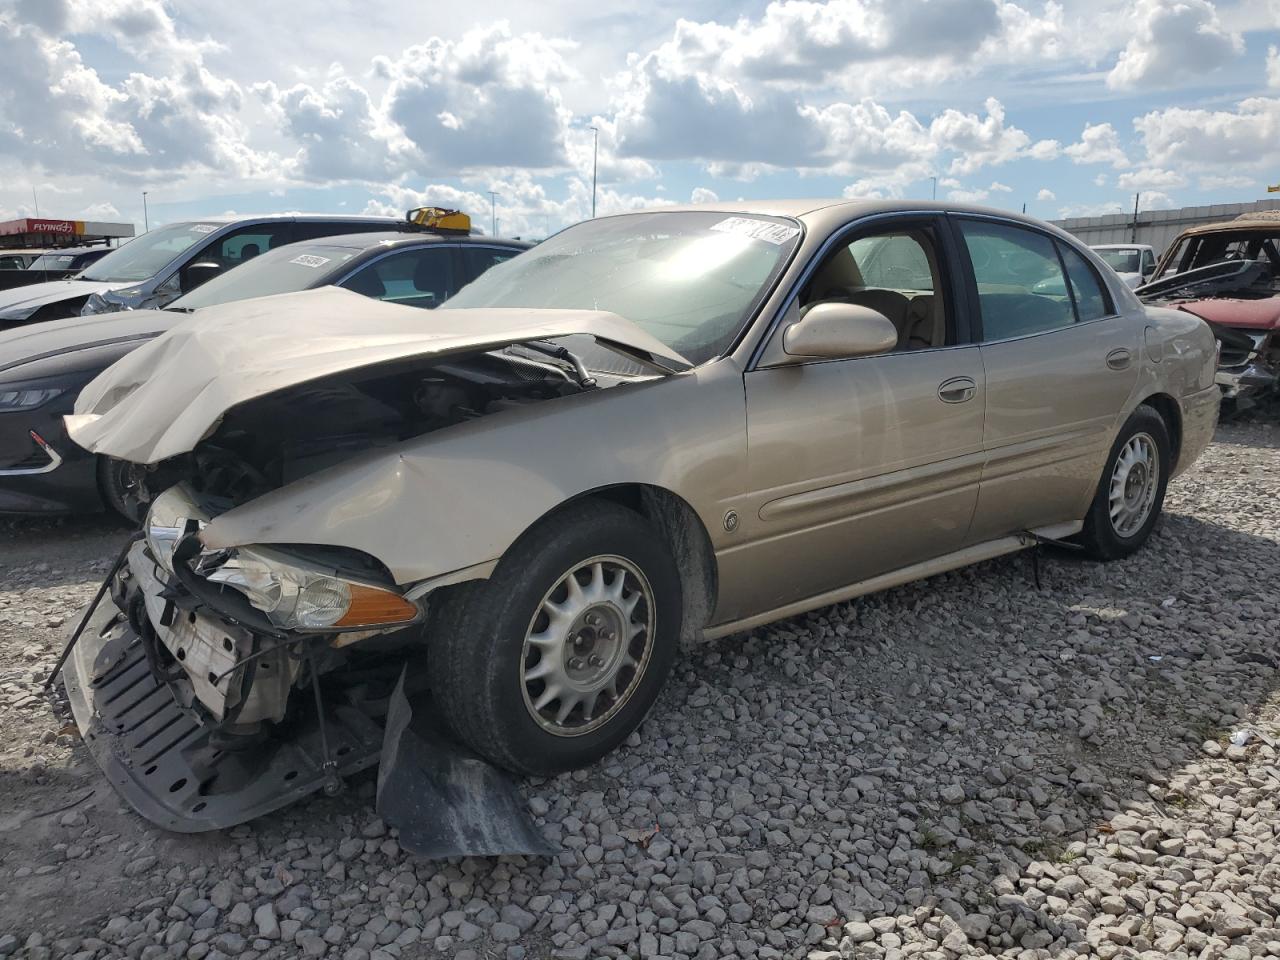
(203, 227)
(309, 260)
(769, 232)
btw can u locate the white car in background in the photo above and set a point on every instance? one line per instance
(1135, 262)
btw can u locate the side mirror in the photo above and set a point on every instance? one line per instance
(840, 330)
(197, 273)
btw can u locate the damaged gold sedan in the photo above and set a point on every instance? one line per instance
(653, 426)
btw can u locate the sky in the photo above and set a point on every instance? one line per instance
(1070, 107)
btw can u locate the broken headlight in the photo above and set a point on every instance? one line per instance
(295, 596)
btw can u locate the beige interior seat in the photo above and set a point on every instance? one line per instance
(922, 328)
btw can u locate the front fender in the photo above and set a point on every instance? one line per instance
(459, 497)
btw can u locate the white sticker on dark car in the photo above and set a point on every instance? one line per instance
(309, 260)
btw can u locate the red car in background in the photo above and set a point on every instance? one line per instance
(1228, 274)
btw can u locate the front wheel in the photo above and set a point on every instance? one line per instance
(553, 661)
(124, 488)
(1131, 492)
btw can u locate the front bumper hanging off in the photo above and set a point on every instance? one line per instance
(168, 765)
(174, 765)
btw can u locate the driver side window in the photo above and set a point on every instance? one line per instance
(894, 271)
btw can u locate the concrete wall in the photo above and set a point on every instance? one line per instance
(1156, 227)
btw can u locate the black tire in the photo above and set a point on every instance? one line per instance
(123, 489)
(1100, 537)
(477, 653)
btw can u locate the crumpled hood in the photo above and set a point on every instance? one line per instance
(166, 396)
(36, 295)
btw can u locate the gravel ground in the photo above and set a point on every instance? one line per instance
(968, 766)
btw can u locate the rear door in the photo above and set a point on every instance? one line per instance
(1060, 365)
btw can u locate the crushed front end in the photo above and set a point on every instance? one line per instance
(202, 709)
(220, 685)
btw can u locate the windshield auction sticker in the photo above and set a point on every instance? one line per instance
(203, 227)
(310, 260)
(766, 230)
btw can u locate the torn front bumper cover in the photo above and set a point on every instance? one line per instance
(168, 765)
(174, 767)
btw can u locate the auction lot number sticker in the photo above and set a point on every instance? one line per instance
(765, 230)
(310, 260)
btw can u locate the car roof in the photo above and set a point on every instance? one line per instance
(1242, 225)
(399, 238)
(262, 217)
(72, 251)
(1120, 246)
(829, 213)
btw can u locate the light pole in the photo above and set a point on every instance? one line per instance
(493, 212)
(935, 187)
(146, 222)
(595, 159)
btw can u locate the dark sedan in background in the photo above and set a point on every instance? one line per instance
(169, 261)
(43, 366)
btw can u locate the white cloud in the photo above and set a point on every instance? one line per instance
(340, 131)
(1150, 178)
(98, 211)
(977, 141)
(805, 43)
(487, 100)
(998, 187)
(1046, 195)
(1273, 66)
(1098, 143)
(1213, 140)
(703, 195)
(1226, 181)
(1155, 200)
(1175, 40)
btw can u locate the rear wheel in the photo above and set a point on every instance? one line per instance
(124, 488)
(1131, 492)
(553, 661)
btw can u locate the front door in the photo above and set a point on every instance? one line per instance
(1060, 364)
(858, 467)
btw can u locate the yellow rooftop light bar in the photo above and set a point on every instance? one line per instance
(438, 218)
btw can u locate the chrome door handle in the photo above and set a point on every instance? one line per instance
(957, 390)
(1119, 359)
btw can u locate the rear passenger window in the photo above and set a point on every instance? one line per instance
(1021, 287)
(1091, 300)
(414, 278)
(480, 259)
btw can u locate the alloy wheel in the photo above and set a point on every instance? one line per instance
(587, 646)
(1135, 479)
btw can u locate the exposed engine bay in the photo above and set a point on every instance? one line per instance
(282, 437)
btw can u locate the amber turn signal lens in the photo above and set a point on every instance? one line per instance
(372, 607)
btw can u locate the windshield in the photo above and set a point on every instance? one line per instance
(689, 279)
(140, 259)
(1122, 261)
(287, 269)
